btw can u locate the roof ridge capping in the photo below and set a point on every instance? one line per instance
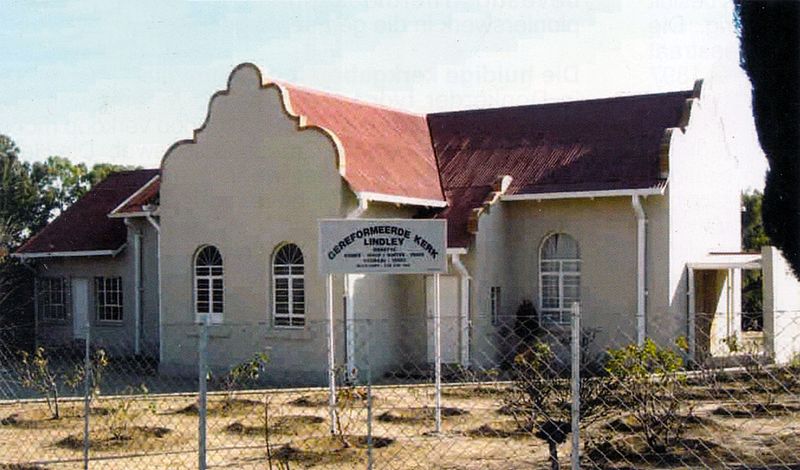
(568, 103)
(689, 108)
(337, 96)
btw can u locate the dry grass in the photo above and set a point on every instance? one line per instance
(475, 434)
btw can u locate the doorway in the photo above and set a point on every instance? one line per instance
(80, 307)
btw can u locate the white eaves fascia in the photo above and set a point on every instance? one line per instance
(69, 254)
(409, 201)
(585, 194)
(129, 198)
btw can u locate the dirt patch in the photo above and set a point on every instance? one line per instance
(756, 410)
(20, 466)
(632, 450)
(135, 437)
(420, 414)
(721, 393)
(473, 392)
(291, 424)
(316, 400)
(328, 450)
(43, 419)
(699, 424)
(505, 410)
(624, 424)
(498, 429)
(226, 407)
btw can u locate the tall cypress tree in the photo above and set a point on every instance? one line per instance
(770, 54)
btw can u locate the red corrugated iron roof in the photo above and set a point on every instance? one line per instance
(591, 145)
(386, 151)
(594, 145)
(144, 196)
(85, 226)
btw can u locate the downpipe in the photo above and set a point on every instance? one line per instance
(641, 274)
(464, 278)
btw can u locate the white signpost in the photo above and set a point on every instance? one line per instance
(383, 246)
(387, 246)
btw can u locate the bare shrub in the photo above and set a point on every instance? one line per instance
(540, 396)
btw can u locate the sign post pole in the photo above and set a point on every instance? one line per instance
(380, 246)
(437, 351)
(331, 355)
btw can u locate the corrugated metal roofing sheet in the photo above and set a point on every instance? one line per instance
(594, 145)
(386, 151)
(147, 194)
(85, 225)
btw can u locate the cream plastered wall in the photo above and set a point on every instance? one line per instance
(605, 229)
(704, 209)
(116, 337)
(250, 181)
(489, 263)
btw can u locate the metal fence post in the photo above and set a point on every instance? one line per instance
(437, 351)
(575, 455)
(202, 377)
(331, 355)
(87, 379)
(370, 462)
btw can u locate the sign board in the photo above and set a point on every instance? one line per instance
(388, 246)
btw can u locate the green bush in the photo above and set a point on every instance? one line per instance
(649, 381)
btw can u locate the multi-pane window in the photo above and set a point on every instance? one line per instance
(559, 278)
(53, 298)
(208, 284)
(494, 304)
(288, 287)
(108, 298)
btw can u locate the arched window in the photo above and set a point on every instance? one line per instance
(208, 284)
(559, 277)
(288, 287)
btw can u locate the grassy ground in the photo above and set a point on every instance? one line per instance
(730, 423)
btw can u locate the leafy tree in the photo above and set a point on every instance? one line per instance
(753, 234)
(753, 238)
(31, 195)
(770, 47)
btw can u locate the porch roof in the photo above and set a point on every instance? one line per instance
(727, 260)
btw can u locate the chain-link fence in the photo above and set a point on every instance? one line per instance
(522, 395)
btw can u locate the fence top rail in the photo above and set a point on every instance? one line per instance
(255, 391)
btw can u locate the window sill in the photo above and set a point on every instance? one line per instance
(54, 322)
(109, 323)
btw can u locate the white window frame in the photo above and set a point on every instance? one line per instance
(296, 317)
(495, 303)
(45, 298)
(106, 310)
(563, 311)
(213, 317)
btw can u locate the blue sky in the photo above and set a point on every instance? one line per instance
(119, 82)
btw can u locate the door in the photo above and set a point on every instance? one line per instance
(80, 307)
(448, 288)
